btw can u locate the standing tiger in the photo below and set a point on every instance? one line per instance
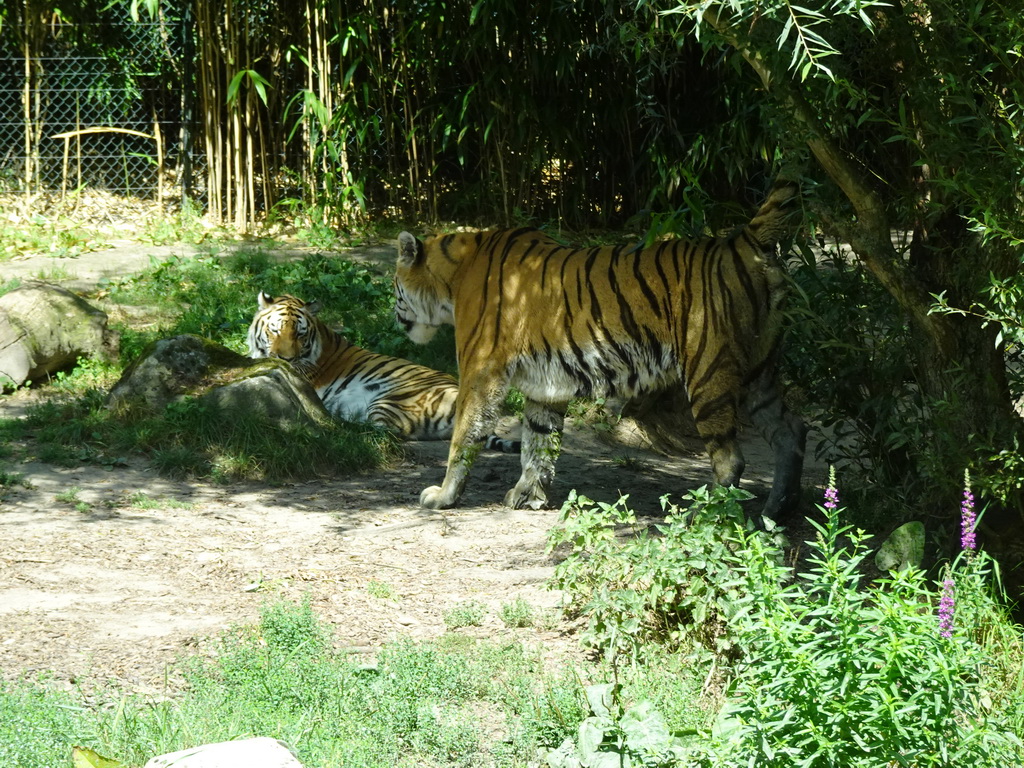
(412, 401)
(559, 322)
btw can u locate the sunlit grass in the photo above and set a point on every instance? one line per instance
(454, 701)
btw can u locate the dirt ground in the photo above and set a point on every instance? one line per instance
(104, 584)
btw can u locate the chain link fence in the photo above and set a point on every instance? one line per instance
(98, 108)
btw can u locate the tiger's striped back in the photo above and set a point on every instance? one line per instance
(558, 322)
(356, 384)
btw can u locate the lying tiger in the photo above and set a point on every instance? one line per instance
(558, 322)
(412, 401)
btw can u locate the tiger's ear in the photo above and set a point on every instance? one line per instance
(264, 299)
(312, 307)
(409, 249)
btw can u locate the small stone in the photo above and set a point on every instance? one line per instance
(260, 752)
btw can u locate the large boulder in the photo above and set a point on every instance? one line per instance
(191, 366)
(45, 329)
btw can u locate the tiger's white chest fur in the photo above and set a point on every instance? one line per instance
(352, 400)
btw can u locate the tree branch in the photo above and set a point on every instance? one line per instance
(869, 236)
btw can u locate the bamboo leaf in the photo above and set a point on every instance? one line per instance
(257, 81)
(234, 85)
(152, 7)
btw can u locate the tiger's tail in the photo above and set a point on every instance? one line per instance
(773, 220)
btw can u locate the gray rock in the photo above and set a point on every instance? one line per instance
(191, 366)
(45, 329)
(903, 549)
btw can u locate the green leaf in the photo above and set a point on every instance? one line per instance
(591, 737)
(564, 756)
(83, 757)
(600, 698)
(645, 729)
(234, 85)
(258, 82)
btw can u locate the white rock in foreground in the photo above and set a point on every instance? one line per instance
(247, 753)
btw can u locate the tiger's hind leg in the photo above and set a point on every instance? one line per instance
(541, 444)
(787, 435)
(715, 407)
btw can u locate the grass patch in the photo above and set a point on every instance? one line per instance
(215, 297)
(48, 237)
(455, 701)
(142, 500)
(381, 590)
(190, 440)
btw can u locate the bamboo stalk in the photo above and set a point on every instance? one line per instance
(309, 166)
(27, 96)
(159, 160)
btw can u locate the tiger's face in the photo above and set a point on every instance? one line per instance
(423, 299)
(284, 328)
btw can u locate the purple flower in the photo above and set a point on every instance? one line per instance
(946, 609)
(831, 494)
(968, 518)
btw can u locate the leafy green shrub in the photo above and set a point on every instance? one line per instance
(614, 736)
(279, 662)
(518, 613)
(555, 711)
(839, 673)
(468, 614)
(677, 588)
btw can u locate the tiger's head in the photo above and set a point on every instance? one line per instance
(423, 282)
(286, 328)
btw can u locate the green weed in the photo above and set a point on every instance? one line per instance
(381, 590)
(817, 667)
(36, 723)
(55, 274)
(837, 672)
(637, 588)
(142, 500)
(57, 238)
(11, 479)
(468, 614)
(518, 613)
(631, 463)
(70, 496)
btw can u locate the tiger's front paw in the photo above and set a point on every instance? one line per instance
(434, 498)
(523, 497)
